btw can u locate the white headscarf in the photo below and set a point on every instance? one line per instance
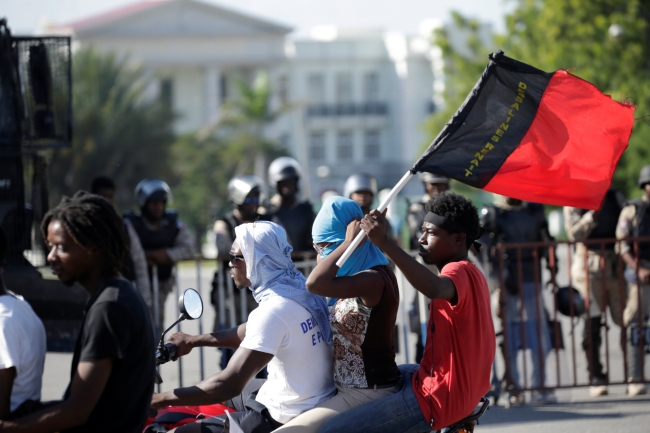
(271, 271)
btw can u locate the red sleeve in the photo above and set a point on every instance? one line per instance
(457, 273)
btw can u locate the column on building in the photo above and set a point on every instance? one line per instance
(212, 93)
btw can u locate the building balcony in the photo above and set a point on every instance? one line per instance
(348, 109)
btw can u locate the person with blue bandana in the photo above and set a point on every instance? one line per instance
(288, 331)
(364, 298)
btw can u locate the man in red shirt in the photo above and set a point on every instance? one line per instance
(455, 371)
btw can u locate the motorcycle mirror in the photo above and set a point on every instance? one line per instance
(190, 304)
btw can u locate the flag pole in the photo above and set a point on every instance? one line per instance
(382, 207)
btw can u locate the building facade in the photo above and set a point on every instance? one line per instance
(353, 101)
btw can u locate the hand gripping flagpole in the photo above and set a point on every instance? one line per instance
(382, 207)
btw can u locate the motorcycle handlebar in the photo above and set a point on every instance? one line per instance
(166, 353)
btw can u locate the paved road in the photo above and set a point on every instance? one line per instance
(576, 412)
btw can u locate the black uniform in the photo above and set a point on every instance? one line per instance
(297, 222)
(526, 223)
(162, 237)
(415, 219)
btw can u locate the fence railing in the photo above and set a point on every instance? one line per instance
(514, 316)
(563, 366)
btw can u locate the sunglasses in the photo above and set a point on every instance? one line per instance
(251, 200)
(234, 257)
(320, 249)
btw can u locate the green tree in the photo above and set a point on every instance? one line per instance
(117, 132)
(606, 42)
(234, 144)
(242, 122)
(462, 68)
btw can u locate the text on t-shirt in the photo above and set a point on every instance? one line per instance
(308, 325)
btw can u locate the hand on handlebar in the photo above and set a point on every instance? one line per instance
(183, 342)
(157, 401)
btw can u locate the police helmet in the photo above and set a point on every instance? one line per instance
(426, 177)
(360, 182)
(563, 298)
(644, 177)
(283, 168)
(152, 189)
(240, 186)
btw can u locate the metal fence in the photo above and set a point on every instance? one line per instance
(565, 366)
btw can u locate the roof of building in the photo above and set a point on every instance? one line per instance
(130, 14)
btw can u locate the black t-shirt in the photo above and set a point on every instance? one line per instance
(117, 327)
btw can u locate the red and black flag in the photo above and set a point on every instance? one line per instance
(537, 136)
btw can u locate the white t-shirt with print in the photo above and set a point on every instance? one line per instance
(23, 346)
(300, 375)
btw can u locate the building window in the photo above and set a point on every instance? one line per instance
(315, 88)
(284, 141)
(371, 145)
(283, 91)
(371, 87)
(167, 92)
(344, 146)
(343, 87)
(317, 146)
(223, 88)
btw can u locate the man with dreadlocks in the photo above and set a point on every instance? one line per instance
(455, 372)
(112, 367)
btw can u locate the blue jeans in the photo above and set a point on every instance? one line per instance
(399, 412)
(532, 313)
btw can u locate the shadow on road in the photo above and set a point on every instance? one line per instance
(584, 410)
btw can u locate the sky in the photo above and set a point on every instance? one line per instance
(24, 16)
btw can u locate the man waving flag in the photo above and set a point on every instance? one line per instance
(543, 137)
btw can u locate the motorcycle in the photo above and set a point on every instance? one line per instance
(161, 421)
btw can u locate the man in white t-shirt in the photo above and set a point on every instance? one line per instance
(22, 348)
(283, 333)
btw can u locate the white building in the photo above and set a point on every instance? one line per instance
(358, 98)
(195, 50)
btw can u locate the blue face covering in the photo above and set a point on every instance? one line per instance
(331, 224)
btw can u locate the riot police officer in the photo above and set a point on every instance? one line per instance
(634, 221)
(511, 220)
(362, 188)
(244, 192)
(286, 209)
(163, 236)
(434, 185)
(587, 275)
(134, 267)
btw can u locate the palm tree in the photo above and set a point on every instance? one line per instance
(242, 121)
(233, 143)
(117, 131)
